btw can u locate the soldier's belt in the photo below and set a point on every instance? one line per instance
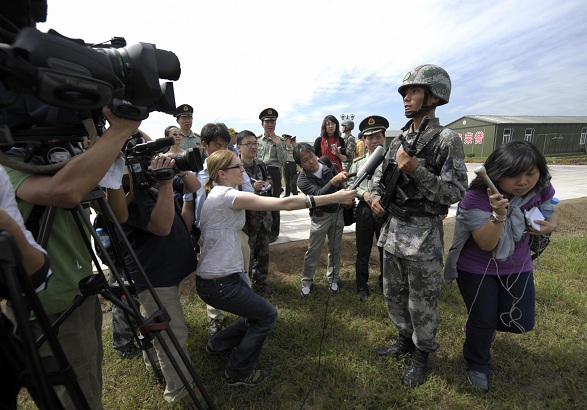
(404, 214)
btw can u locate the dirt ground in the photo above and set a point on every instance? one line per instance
(287, 258)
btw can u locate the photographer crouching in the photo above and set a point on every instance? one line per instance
(162, 243)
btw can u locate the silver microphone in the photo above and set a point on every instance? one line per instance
(483, 174)
(368, 168)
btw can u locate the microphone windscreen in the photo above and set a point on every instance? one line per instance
(163, 142)
(373, 162)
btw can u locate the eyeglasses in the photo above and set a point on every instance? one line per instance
(250, 144)
(234, 167)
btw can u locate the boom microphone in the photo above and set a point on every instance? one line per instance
(154, 146)
(368, 168)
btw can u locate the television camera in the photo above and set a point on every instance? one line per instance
(138, 158)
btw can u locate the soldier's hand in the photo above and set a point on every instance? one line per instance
(406, 163)
(376, 207)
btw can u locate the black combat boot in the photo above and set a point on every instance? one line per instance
(416, 373)
(402, 346)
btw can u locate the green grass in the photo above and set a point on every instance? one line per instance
(545, 368)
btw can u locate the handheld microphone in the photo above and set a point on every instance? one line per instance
(368, 168)
(481, 172)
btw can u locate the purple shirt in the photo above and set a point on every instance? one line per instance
(474, 260)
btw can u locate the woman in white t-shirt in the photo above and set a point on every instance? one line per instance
(219, 282)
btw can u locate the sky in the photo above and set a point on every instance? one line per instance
(308, 59)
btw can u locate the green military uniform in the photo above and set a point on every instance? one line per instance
(367, 227)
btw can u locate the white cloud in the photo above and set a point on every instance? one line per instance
(308, 59)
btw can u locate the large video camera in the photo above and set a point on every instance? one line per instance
(68, 73)
(138, 158)
(53, 88)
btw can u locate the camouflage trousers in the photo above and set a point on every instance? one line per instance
(259, 265)
(410, 291)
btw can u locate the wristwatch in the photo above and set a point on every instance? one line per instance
(493, 218)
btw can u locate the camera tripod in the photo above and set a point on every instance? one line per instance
(151, 327)
(20, 354)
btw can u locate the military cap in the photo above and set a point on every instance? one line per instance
(373, 124)
(287, 137)
(268, 114)
(184, 110)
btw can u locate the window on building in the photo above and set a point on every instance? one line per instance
(583, 136)
(529, 135)
(507, 135)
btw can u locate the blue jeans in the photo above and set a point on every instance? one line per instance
(257, 317)
(505, 303)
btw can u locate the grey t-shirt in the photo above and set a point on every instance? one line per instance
(220, 240)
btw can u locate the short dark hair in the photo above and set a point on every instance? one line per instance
(299, 148)
(214, 132)
(511, 159)
(243, 134)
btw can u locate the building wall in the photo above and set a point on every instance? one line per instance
(481, 138)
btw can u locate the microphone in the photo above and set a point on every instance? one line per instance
(481, 172)
(154, 146)
(368, 168)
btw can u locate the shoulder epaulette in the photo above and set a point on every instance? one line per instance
(359, 158)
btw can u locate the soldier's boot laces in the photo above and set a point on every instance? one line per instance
(402, 346)
(415, 375)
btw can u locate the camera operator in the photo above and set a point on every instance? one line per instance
(80, 335)
(36, 266)
(163, 246)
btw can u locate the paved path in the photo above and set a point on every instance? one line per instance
(570, 181)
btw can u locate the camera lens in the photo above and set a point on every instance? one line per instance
(189, 160)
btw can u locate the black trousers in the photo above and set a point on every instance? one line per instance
(275, 173)
(291, 178)
(366, 228)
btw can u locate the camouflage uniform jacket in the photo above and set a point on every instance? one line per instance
(351, 146)
(438, 182)
(258, 171)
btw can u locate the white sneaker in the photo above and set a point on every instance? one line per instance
(334, 287)
(306, 290)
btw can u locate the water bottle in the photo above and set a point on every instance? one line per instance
(549, 207)
(104, 238)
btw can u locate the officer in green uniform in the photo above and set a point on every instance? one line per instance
(412, 236)
(189, 139)
(272, 152)
(367, 226)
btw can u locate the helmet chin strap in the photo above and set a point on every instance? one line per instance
(424, 108)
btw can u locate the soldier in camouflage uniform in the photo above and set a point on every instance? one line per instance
(412, 236)
(350, 144)
(258, 226)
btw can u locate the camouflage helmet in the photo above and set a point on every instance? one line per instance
(348, 124)
(431, 76)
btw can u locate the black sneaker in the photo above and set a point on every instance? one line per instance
(253, 379)
(129, 351)
(215, 326)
